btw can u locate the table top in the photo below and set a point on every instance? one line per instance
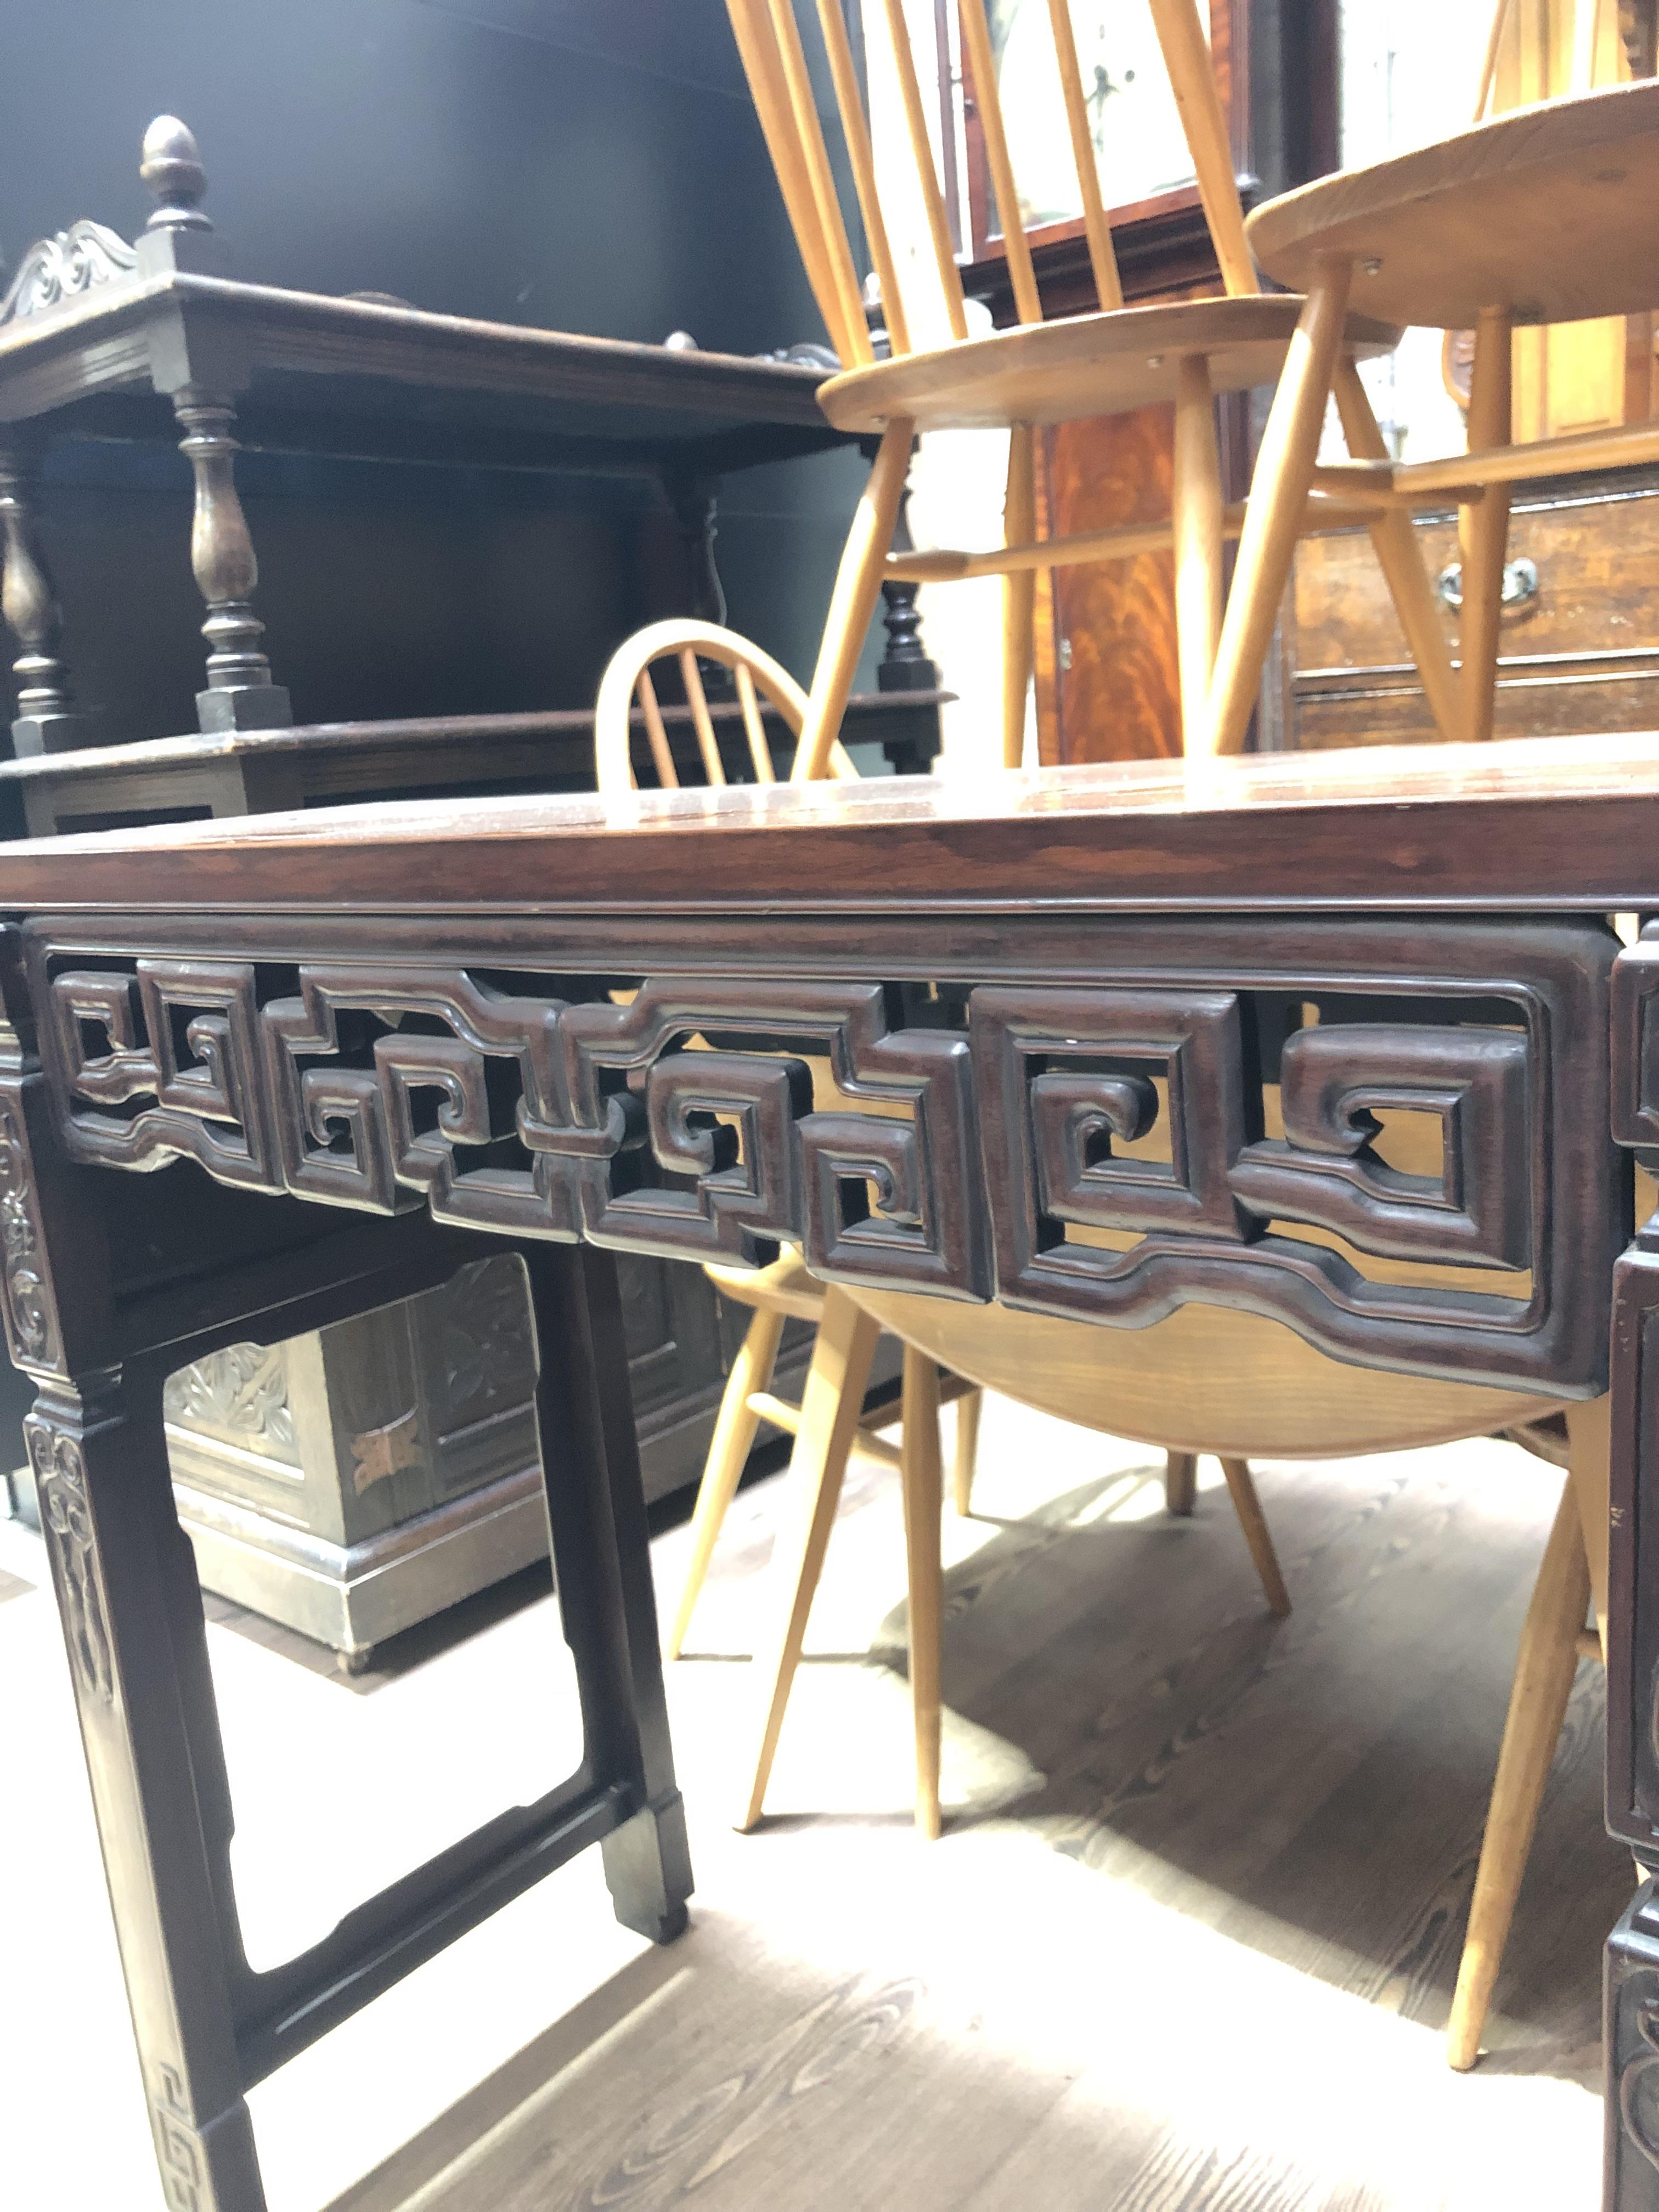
(1531, 825)
(358, 377)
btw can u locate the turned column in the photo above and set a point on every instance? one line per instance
(905, 664)
(46, 722)
(239, 694)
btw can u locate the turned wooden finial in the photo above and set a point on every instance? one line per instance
(177, 236)
(171, 165)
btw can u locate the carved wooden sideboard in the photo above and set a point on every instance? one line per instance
(360, 1096)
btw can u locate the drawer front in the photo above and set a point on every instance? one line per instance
(1580, 647)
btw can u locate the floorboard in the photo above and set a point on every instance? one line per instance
(1187, 1944)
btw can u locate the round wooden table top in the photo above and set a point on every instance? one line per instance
(1550, 211)
(1085, 364)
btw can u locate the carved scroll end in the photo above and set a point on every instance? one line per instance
(58, 271)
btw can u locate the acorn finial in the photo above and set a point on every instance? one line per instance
(171, 165)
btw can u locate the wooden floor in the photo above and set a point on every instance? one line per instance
(1185, 1947)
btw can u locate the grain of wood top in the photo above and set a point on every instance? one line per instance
(1561, 824)
(1550, 211)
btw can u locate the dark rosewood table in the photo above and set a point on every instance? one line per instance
(361, 1045)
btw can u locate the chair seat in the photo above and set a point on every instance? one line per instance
(1066, 372)
(1206, 1379)
(1550, 211)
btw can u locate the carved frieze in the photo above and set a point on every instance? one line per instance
(1098, 1149)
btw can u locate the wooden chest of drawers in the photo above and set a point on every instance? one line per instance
(1580, 640)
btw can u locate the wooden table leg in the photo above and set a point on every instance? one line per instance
(601, 1557)
(131, 1610)
(1631, 2055)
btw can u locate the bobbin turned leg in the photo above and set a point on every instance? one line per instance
(201, 373)
(28, 599)
(239, 694)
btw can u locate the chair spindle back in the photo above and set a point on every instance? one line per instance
(627, 685)
(769, 43)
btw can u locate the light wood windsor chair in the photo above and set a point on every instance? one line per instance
(829, 1415)
(1543, 215)
(1115, 361)
(1242, 1387)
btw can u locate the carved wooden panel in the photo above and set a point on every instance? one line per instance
(516, 1112)
(1106, 1147)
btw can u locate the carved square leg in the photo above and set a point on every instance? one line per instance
(131, 1612)
(596, 1508)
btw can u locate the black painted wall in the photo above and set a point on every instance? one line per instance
(585, 165)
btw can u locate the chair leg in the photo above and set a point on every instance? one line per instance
(1279, 499)
(1180, 1482)
(1195, 512)
(1018, 593)
(728, 1449)
(1483, 530)
(1544, 1669)
(1241, 1486)
(922, 1481)
(830, 1405)
(969, 1408)
(853, 604)
(1399, 555)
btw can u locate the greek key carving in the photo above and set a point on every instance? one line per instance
(1099, 1150)
(60, 1477)
(1478, 1209)
(1064, 1074)
(182, 1032)
(375, 1089)
(178, 2146)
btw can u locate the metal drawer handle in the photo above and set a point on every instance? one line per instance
(1519, 583)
